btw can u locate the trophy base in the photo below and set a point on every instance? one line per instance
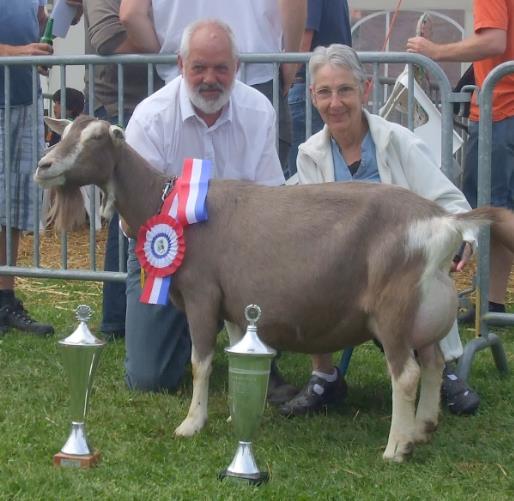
(74, 461)
(251, 478)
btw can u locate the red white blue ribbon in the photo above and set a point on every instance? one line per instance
(187, 200)
(160, 243)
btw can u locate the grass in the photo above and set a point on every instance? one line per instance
(334, 456)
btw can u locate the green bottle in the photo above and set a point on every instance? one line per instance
(48, 36)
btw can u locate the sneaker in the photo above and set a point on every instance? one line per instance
(16, 316)
(317, 395)
(457, 395)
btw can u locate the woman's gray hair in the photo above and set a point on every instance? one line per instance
(190, 30)
(337, 55)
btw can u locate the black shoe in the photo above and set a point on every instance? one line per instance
(111, 336)
(457, 395)
(3, 322)
(316, 396)
(16, 316)
(279, 391)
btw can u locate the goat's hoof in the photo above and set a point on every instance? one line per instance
(399, 452)
(189, 427)
(424, 432)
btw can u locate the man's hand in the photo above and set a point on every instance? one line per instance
(31, 49)
(462, 258)
(422, 45)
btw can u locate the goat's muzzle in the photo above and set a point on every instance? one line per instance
(45, 176)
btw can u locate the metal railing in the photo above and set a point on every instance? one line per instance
(485, 338)
(375, 59)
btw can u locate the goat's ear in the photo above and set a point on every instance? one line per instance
(117, 134)
(57, 124)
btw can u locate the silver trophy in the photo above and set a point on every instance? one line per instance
(249, 368)
(80, 355)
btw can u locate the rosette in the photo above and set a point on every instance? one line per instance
(160, 245)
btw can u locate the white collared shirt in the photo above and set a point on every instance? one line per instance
(164, 129)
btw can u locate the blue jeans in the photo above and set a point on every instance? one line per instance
(502, 164)
(114, 297)
(157, 342)
(297, 107)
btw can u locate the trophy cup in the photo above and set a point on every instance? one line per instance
(249, 368)
(80, 354)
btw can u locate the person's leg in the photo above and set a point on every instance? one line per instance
(456, 394)
(157, 342)
(296, 99)
(501, 179)
(502, 193)
(114, 298)
(12, 312)
(325, 387)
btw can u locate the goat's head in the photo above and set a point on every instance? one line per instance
(87, 154)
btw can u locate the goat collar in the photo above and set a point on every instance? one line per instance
(160, 243)
(167, 190)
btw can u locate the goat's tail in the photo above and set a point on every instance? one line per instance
(439, 238)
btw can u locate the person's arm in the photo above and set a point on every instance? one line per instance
(485, 43)
(135, 15)
(293, 14)
(78, 14)
(305, 46)
(41, 18)
(105, 31)
(31, 49)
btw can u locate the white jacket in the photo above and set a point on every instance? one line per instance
(402, 159)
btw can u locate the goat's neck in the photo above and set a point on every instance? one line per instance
(137, 189)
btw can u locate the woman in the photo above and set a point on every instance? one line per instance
(355, 145)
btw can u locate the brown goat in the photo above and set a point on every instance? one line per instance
(331, 266)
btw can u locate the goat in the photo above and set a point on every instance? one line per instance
(330, 265)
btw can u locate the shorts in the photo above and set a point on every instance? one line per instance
(22, 164)
(502, 164)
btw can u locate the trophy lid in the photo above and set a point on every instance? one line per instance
(82, 335)
(251, 343)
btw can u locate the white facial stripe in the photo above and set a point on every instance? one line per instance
(92, 130)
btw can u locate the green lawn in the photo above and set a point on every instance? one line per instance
(334, 456)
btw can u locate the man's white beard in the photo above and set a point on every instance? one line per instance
(209, 106)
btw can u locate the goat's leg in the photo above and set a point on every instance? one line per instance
(427, 414)
(401, 436)
(197, 414)
(203, 328)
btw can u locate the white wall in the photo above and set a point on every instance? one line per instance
(73, 44)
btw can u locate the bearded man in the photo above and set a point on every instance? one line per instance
(203, 113)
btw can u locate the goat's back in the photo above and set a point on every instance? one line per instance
(299, 250)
